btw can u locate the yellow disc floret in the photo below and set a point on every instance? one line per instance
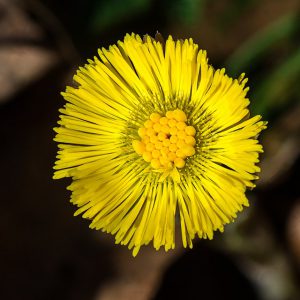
(166, 141)
(142, 132)
(179, 115)
(190, 140)
(147, 156)
(155, 117)
(190, 130)
(139, 147)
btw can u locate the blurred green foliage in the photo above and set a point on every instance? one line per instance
(255, 48)
(275, 84)
(233, 10)
(280, 88)
(108, 13)
(185, 11)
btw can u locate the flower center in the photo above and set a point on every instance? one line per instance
(166, 141)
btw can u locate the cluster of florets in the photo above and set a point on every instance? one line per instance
(166, 141)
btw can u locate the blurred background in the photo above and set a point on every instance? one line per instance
(46, 253)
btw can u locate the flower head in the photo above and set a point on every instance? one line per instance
(153, 131)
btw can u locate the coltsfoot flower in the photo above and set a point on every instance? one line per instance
(152, 131)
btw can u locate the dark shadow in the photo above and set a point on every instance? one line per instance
(46, 252)
(204, 273)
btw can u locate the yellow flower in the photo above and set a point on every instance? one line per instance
(152, 131)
